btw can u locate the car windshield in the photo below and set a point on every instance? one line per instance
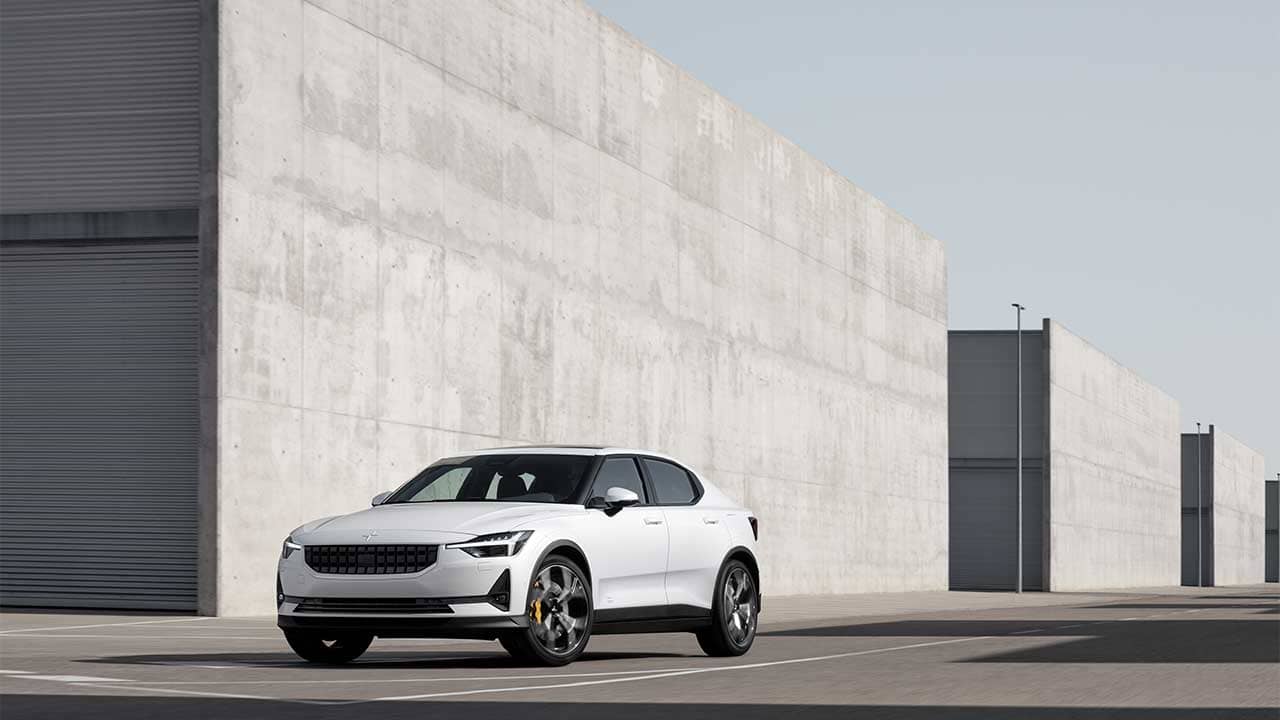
(497, 478)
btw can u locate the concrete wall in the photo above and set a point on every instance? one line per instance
(1114, 472)
(454, 224)
(1239, 512)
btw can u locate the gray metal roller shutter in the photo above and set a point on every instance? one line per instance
(1272, 518)
(99, 105)
(1193, 546)
(984, 529)
(98, 424)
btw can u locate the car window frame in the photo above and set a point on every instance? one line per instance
(698, 490)
(646, 501)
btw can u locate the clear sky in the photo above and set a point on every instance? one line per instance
(1113, 165)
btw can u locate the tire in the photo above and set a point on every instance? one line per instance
(734, 614)
(560, 614)
(335, 650)
(514, 646)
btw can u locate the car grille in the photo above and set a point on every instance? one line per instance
(370, 559)
(372, 605)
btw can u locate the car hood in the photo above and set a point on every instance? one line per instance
(427, 522)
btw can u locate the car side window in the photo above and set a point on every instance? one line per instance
(671, 483)
(619, 472)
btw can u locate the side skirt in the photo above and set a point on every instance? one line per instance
(654, 619)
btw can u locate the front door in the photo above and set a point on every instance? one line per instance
(628, 549)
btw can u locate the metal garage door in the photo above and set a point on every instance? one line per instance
(984, 529)
(98, 424)
(1272, 518)
(99, 105)
(1190, 547)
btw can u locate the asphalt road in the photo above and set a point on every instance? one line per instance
(1211, 654)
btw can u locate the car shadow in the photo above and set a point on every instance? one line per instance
(373, 660)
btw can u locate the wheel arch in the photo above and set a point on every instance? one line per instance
(748, 558)
(569, 549)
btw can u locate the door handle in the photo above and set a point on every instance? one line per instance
(710, 520)
(653, 521)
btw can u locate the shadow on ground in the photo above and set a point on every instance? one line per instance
(1183, 641)
(1258, 608)
(48, 707)
(399, 659)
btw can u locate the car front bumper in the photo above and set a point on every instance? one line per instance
(458, 596)
(399, 626)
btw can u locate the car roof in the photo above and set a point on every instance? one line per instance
(569, 450)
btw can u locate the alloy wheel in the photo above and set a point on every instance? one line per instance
(739, 605)
(558, 609)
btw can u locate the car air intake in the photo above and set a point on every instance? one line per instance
(372, 605)
(370, 559)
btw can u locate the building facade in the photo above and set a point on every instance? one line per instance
(326, 243)
(1230, 543)
(1101, 477)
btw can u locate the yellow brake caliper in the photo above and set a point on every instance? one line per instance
(537, 607)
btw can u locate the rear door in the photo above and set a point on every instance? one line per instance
(628, 549)
(699, 539)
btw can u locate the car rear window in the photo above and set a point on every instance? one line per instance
(671, 483)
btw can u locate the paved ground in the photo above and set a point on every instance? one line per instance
(1174, 653)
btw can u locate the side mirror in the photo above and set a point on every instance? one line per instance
(379, 499)
(618, 498)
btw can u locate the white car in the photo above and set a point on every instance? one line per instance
(536, 547)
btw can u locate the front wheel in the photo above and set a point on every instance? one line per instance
(559, 609)
(734, 614)
(336, 650)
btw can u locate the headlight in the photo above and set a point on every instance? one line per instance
(503, 544)
(289, 547)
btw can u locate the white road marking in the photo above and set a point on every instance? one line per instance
(675, 673)
(375, 681)
(15, 672)
(74, 678)
(634, 675)
(298, 662)
(201, 693)
(102, 625)
(1068, 627)
(1027, 632)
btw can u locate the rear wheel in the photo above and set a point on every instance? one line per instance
(559, 610)
(326, 649)
(734, 615)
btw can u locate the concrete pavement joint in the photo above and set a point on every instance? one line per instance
(100, 625)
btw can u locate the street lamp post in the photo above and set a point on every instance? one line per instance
(1199, 518)
(1019, 337)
